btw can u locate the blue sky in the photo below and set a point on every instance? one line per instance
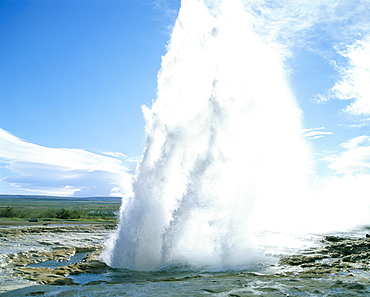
(74, 75)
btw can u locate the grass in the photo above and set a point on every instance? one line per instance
(70, 208)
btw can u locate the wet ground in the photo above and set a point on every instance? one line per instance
(64, 261)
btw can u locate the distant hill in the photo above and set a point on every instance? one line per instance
(108, 199)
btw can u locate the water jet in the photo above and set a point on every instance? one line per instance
(223, 138)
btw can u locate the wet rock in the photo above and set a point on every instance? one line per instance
(351, 285)
(62, 281)
(94, 266)
(45, 242)
(51, 246)
(86, 249)
(331, 238)
(347, 246)
(334, 255)
(63, 254)
(44, 276)
(58, 276)
(37, 293)
(338, 256)
(26, 258)
(93, 283)
(340, 264)
(296, 260)
(357, 257)
(216, 290)
(34, 271)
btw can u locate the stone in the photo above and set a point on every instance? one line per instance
(93, 283)
(296, 260)
(62, 281)
(331, 238)
(85, 249)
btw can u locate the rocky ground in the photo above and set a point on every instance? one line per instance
(58, 276)
(53, 244)
(339, 264)
(337, 255)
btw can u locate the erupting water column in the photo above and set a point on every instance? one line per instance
(223, 136)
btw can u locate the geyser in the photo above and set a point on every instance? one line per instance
(223, 141)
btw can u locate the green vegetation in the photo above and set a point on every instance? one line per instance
(8, 212)
(66, 208)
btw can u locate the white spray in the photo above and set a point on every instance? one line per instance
(223, 138)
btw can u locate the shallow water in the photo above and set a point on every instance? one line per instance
(77, 257)
(226, 283)
(15, 244)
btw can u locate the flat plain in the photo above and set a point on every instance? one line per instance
(20, 209)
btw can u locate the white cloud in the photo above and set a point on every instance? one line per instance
(355, 159)
(15, 149)
(355, 78)
(306, 22)
(169, 11)
(315, 133)
(317, 26)
(354, 81)
(123, 157)
(59, 171)
(355, 142)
